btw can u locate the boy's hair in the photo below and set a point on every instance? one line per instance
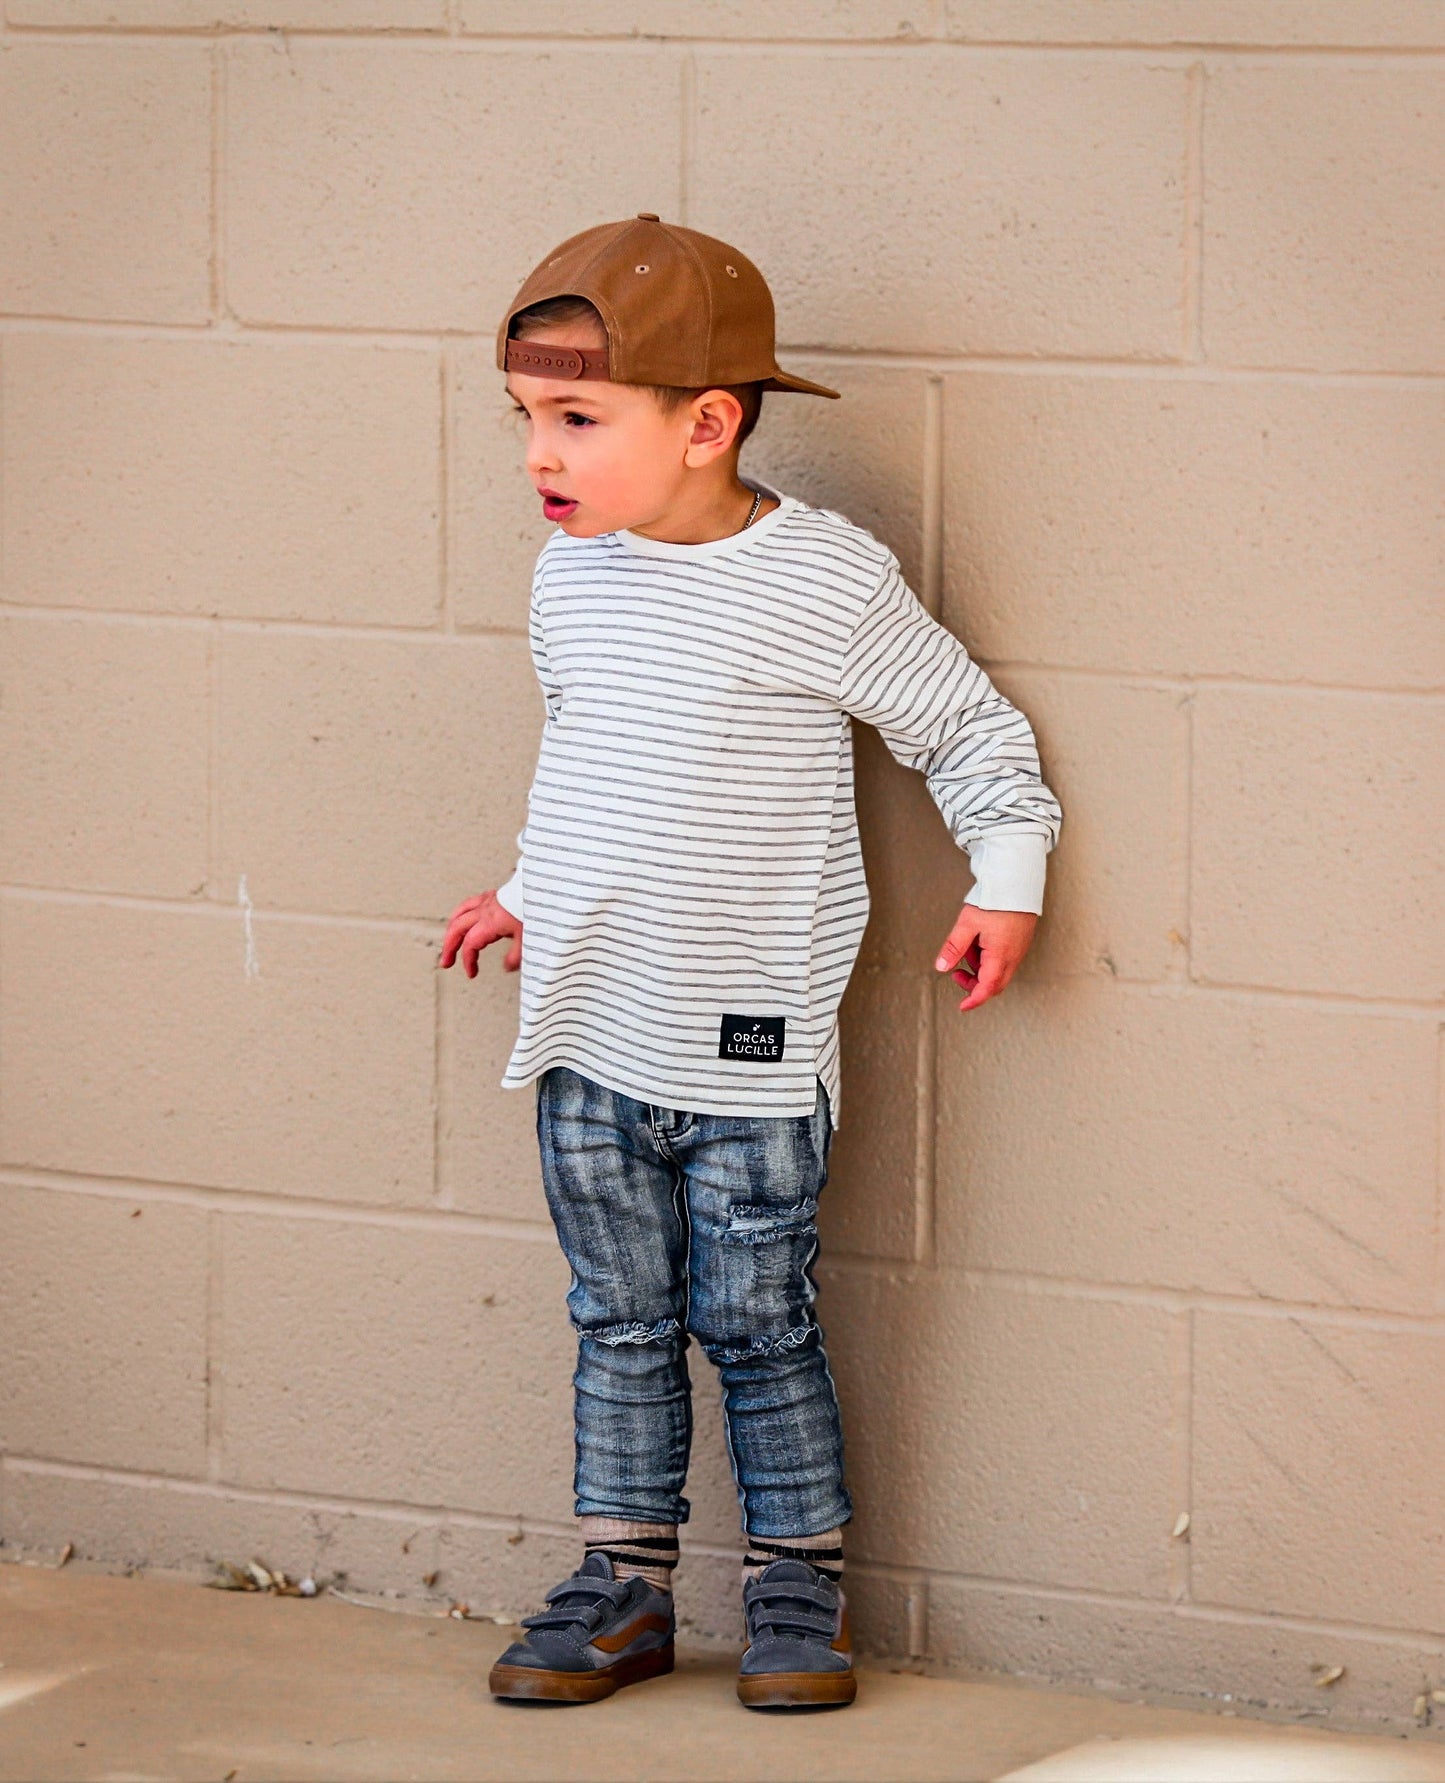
(560, 312)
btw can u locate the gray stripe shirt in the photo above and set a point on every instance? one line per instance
(691, 881)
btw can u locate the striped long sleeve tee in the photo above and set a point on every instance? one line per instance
(691, 880)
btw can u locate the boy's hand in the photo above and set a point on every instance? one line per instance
(983, 950)
(477, 924)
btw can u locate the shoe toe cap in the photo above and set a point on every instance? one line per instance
(792, 1656)
(545, 1653)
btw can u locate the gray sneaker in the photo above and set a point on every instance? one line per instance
(800, 1651)
(597, 1633)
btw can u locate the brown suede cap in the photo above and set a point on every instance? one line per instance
(679, 308)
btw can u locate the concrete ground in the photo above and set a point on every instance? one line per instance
(128, 1680)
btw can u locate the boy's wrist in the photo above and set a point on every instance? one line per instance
(1009, 868)
(509, 896)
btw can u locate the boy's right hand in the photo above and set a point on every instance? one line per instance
(476, 924)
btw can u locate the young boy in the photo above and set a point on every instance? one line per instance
(693, 895)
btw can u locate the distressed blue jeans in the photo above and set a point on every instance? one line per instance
(679, 1224)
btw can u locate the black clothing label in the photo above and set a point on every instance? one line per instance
(757, 1038)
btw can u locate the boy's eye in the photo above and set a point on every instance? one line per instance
(571, 414)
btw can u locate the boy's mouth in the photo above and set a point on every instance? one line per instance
(556, 507)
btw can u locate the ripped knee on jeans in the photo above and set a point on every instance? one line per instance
(720, 1353)
(634, 1331)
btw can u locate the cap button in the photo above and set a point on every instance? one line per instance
(648, 216)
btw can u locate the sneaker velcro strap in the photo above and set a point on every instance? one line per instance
(796, 1590)
(586, 1619)
(550, 1619)
(783, 1620)
(613, 1591)
(579, 1603)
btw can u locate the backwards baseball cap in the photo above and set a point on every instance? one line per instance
(679, 308)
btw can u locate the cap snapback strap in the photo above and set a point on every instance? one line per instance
(555, 362)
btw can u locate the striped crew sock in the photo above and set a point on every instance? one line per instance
(636, 1550)
(824, 1551)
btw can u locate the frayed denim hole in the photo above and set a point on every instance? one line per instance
(762, 1346)
(635, 1332)
(751, 1223)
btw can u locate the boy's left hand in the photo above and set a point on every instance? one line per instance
(1002, 938)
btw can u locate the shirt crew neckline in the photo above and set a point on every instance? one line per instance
(723, 547)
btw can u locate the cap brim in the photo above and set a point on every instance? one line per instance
(784, 380)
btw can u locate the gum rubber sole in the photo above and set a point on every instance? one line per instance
(529, 1683)
(796, 1690)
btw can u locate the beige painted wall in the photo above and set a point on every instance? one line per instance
(1136, 305)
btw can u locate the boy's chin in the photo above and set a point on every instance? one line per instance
(584, 525)
(587, 521)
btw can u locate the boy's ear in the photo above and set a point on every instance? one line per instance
(716, 417)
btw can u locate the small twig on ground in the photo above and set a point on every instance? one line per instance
(256, 1577)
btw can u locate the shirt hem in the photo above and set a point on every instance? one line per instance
(662, 1095)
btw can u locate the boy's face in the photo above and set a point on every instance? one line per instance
(603, 456)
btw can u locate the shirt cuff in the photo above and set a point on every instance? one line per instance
(509, 896)
(1008, 871)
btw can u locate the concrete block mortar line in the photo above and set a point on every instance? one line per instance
(446, 461)
(1224, 49)
(1440, 1182)
(1191, 684)
(918, 1618)
(420, 928)
(687, 137)
(222, 313)
(932, 35)
(1181, 966)
(915, 43)
(1191, 310)
(1341, 1002)
(1336, 1002)
(1045, 364)
(215, 1358)
(931, 591)
(214, 891)
(443, 1040)
(1181, 1551)
(97, 32)
(420, 634)
(1166, 1299)
(925, 1174)
(218, 138)
(1236, 1615)
(280, 1206)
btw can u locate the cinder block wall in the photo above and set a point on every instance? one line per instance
(1136, 307)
